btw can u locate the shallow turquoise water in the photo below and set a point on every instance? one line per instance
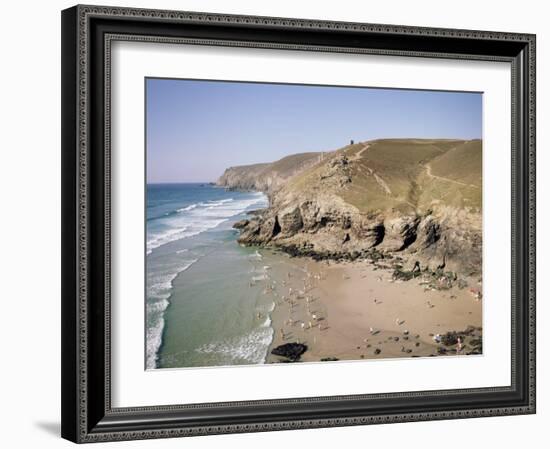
(194, 309)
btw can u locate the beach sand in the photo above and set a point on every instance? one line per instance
(354, 310)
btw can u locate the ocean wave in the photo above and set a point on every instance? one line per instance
(207, 205)
(154, 340)
(218, 202)
(260, 277)
(158, 293)
(255, 256)
(190, 207)
(182, 223)
(251, 348)
(197, 218)
(167, 236)
(267, 323)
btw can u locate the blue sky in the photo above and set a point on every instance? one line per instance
(196, 129)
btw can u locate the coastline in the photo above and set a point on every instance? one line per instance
(342, 308)
(189, 239)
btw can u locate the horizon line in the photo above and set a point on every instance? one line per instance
(147, 182)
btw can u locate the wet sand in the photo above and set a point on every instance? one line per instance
(353, 311)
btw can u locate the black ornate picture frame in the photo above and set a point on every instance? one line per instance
(87, 34)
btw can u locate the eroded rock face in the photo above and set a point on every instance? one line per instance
(429, 242)
(269, 228)
(325, 213)
(250, 234)
(310, 211)
(337, 173)
(372, 232)
(241, 224)
(290, 220)
(400, 233)
(428, 233)
(322, 226)
(450, 241)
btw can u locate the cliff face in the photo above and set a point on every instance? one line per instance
(269, 177)
(246, 177)
(419, 200)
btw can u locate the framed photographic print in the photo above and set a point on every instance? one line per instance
(283, 223)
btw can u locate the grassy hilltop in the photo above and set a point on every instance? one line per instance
(403, 174)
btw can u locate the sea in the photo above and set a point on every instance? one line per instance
(200, 307)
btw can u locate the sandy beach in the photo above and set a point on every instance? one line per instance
(355, 310)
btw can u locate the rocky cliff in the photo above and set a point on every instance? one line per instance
(268, 177)
(417, 200)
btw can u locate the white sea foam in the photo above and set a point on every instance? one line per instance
(255, 256)
(154, 340)
(212, 203)
(158, 306)
(185, 209)
(158, 292)
(164, 237)
(184, 223)
(261, 277)
(251, 348)
(197, 218)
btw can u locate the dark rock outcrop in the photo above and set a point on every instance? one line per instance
(470, 339)
(425, 243)
(241, 224)
(292, 351)
(400, 233)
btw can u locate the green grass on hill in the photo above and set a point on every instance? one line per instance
(456, 177)
(461, 163)
(290, 163)
(395, 174)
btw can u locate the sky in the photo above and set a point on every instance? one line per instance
(197, 129)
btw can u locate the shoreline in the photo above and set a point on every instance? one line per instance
(347, 308)
(170, 262)
(355, 310)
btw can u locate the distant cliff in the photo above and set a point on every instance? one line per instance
(267, 177)
(417, 199)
